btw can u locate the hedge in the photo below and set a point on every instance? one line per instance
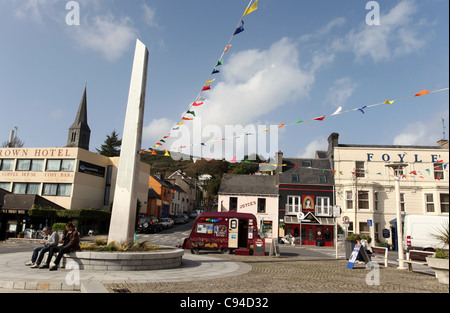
(88, 214)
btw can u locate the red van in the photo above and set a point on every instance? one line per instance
(223, 231)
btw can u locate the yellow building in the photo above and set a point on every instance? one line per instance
(71, 177)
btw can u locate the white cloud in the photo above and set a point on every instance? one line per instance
(420, 133)
(397, 35)
(254, 83)
(341, 91)
(157, 129)
(319, 144)
(107, 35)
(34, 10)
(149, 15)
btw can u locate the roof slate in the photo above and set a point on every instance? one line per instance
(248, 185)
(307, 175)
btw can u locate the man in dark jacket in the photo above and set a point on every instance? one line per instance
(71, 244)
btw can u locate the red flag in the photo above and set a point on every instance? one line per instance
(197, 104)
(320, 118)
(206, 88)
(187, 119)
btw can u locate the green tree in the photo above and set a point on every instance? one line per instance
(111, 147)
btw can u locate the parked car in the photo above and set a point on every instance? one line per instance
(149, 224)
(167, 222)
(181, 219)
(193, 214)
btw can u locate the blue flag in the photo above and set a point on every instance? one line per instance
(240, 29)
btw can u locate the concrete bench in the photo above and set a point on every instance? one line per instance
(116, 261)
(380, 252)
(416, 257)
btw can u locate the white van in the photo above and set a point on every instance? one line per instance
(419, 231)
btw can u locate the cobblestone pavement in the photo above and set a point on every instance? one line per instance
(298, 275)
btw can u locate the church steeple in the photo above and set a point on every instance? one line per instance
(79, 132)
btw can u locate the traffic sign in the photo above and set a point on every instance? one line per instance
(346, 219)
(369, 223)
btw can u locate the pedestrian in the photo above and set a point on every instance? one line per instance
(364, 245)
(71, 244)
(39, 252)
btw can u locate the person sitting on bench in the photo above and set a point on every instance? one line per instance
(71, 244)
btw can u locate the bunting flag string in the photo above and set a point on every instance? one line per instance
(322, 118)
(252, 6)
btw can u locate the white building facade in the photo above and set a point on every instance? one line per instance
(365, 184)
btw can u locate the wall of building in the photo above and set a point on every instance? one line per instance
(378, 182)
(87, 177)
(249, 204)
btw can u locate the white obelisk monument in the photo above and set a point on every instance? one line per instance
(123, 216)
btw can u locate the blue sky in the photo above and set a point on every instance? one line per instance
(295, 60)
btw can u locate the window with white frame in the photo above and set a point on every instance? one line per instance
(359, 169)
(293, 205)
(363, 199)
(444, 202)
(429, 202)
(438, 171)
(323, 207)
(349, 199)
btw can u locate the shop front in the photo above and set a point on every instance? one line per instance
(311, 231)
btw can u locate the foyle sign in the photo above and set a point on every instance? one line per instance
(401, 158)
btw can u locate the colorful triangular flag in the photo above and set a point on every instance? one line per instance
(423, 92)
(251, 9)
(240, 29)
(320, 118)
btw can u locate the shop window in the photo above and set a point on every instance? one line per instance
(267, 229)
(364, 229)
(233, 203)
(444, 202)
(429, 202)
(261, 205)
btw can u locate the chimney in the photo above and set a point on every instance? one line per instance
(279, 168)
(333, 141)
(11, 139)
(443, 143)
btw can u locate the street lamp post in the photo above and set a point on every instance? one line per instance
(398, 167)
